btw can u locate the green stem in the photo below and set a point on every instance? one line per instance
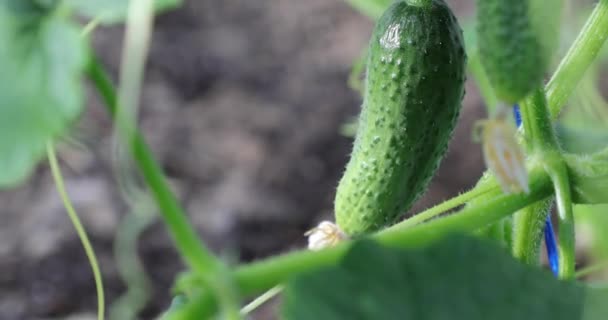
(558, 172)
(82, 234)
(545, 149)
(528, 228)
(591, 269)
(259, 276)
(444, 206)
(128, 264)
(539, 131)
(197, 256)
(372, 9)
(265, 297)
(582, 53)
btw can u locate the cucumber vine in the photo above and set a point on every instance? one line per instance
(405, 71)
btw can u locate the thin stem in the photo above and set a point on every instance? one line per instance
(259, 276)
(444, 206)
(196, 255)
(90, 26)
(82, 234)
(591, 269)
(582, 53)
(128, 263)
(265, 297)
(372, 9)
(563, 197)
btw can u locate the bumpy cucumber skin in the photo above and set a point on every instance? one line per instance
(415, 85)
(509, 48)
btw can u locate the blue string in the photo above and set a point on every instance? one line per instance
(551, 246)
(550, 243)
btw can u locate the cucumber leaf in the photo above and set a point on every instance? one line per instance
(457, 278)
(42, 58)
(114, 11)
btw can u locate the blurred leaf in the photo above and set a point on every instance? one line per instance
(114, 11)
(595, 306)
(589, 177)
(41, 59)
(595, 217)
(580, 139)
(371, 8)
(458, 278)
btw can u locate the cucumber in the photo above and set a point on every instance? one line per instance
(511, 47)
(413, 93)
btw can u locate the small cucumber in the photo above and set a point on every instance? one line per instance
(513, 47)
(413, 93)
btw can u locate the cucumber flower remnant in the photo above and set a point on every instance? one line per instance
(503, 155)
(325, 235)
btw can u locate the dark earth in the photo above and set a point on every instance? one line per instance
(242, 104)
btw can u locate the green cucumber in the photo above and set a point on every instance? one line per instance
(413, 93)
(514, 47)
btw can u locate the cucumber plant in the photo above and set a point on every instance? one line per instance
(413, 269)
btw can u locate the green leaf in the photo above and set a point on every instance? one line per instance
(589, 177)
(371, 8)
(41, 59)
(114, 11)
(458, 278)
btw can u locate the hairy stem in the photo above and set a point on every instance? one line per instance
(444, 206)
(539, 131)
(563, 198)
(259, 276)
(528, 228)
(581, 54)
(545, 150)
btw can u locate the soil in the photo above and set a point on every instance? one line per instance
(243, 103)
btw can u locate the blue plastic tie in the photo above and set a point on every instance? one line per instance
(550, 243)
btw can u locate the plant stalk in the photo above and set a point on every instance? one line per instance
(256, 277)
(196, 255)
(545, 149)
(579, 57)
